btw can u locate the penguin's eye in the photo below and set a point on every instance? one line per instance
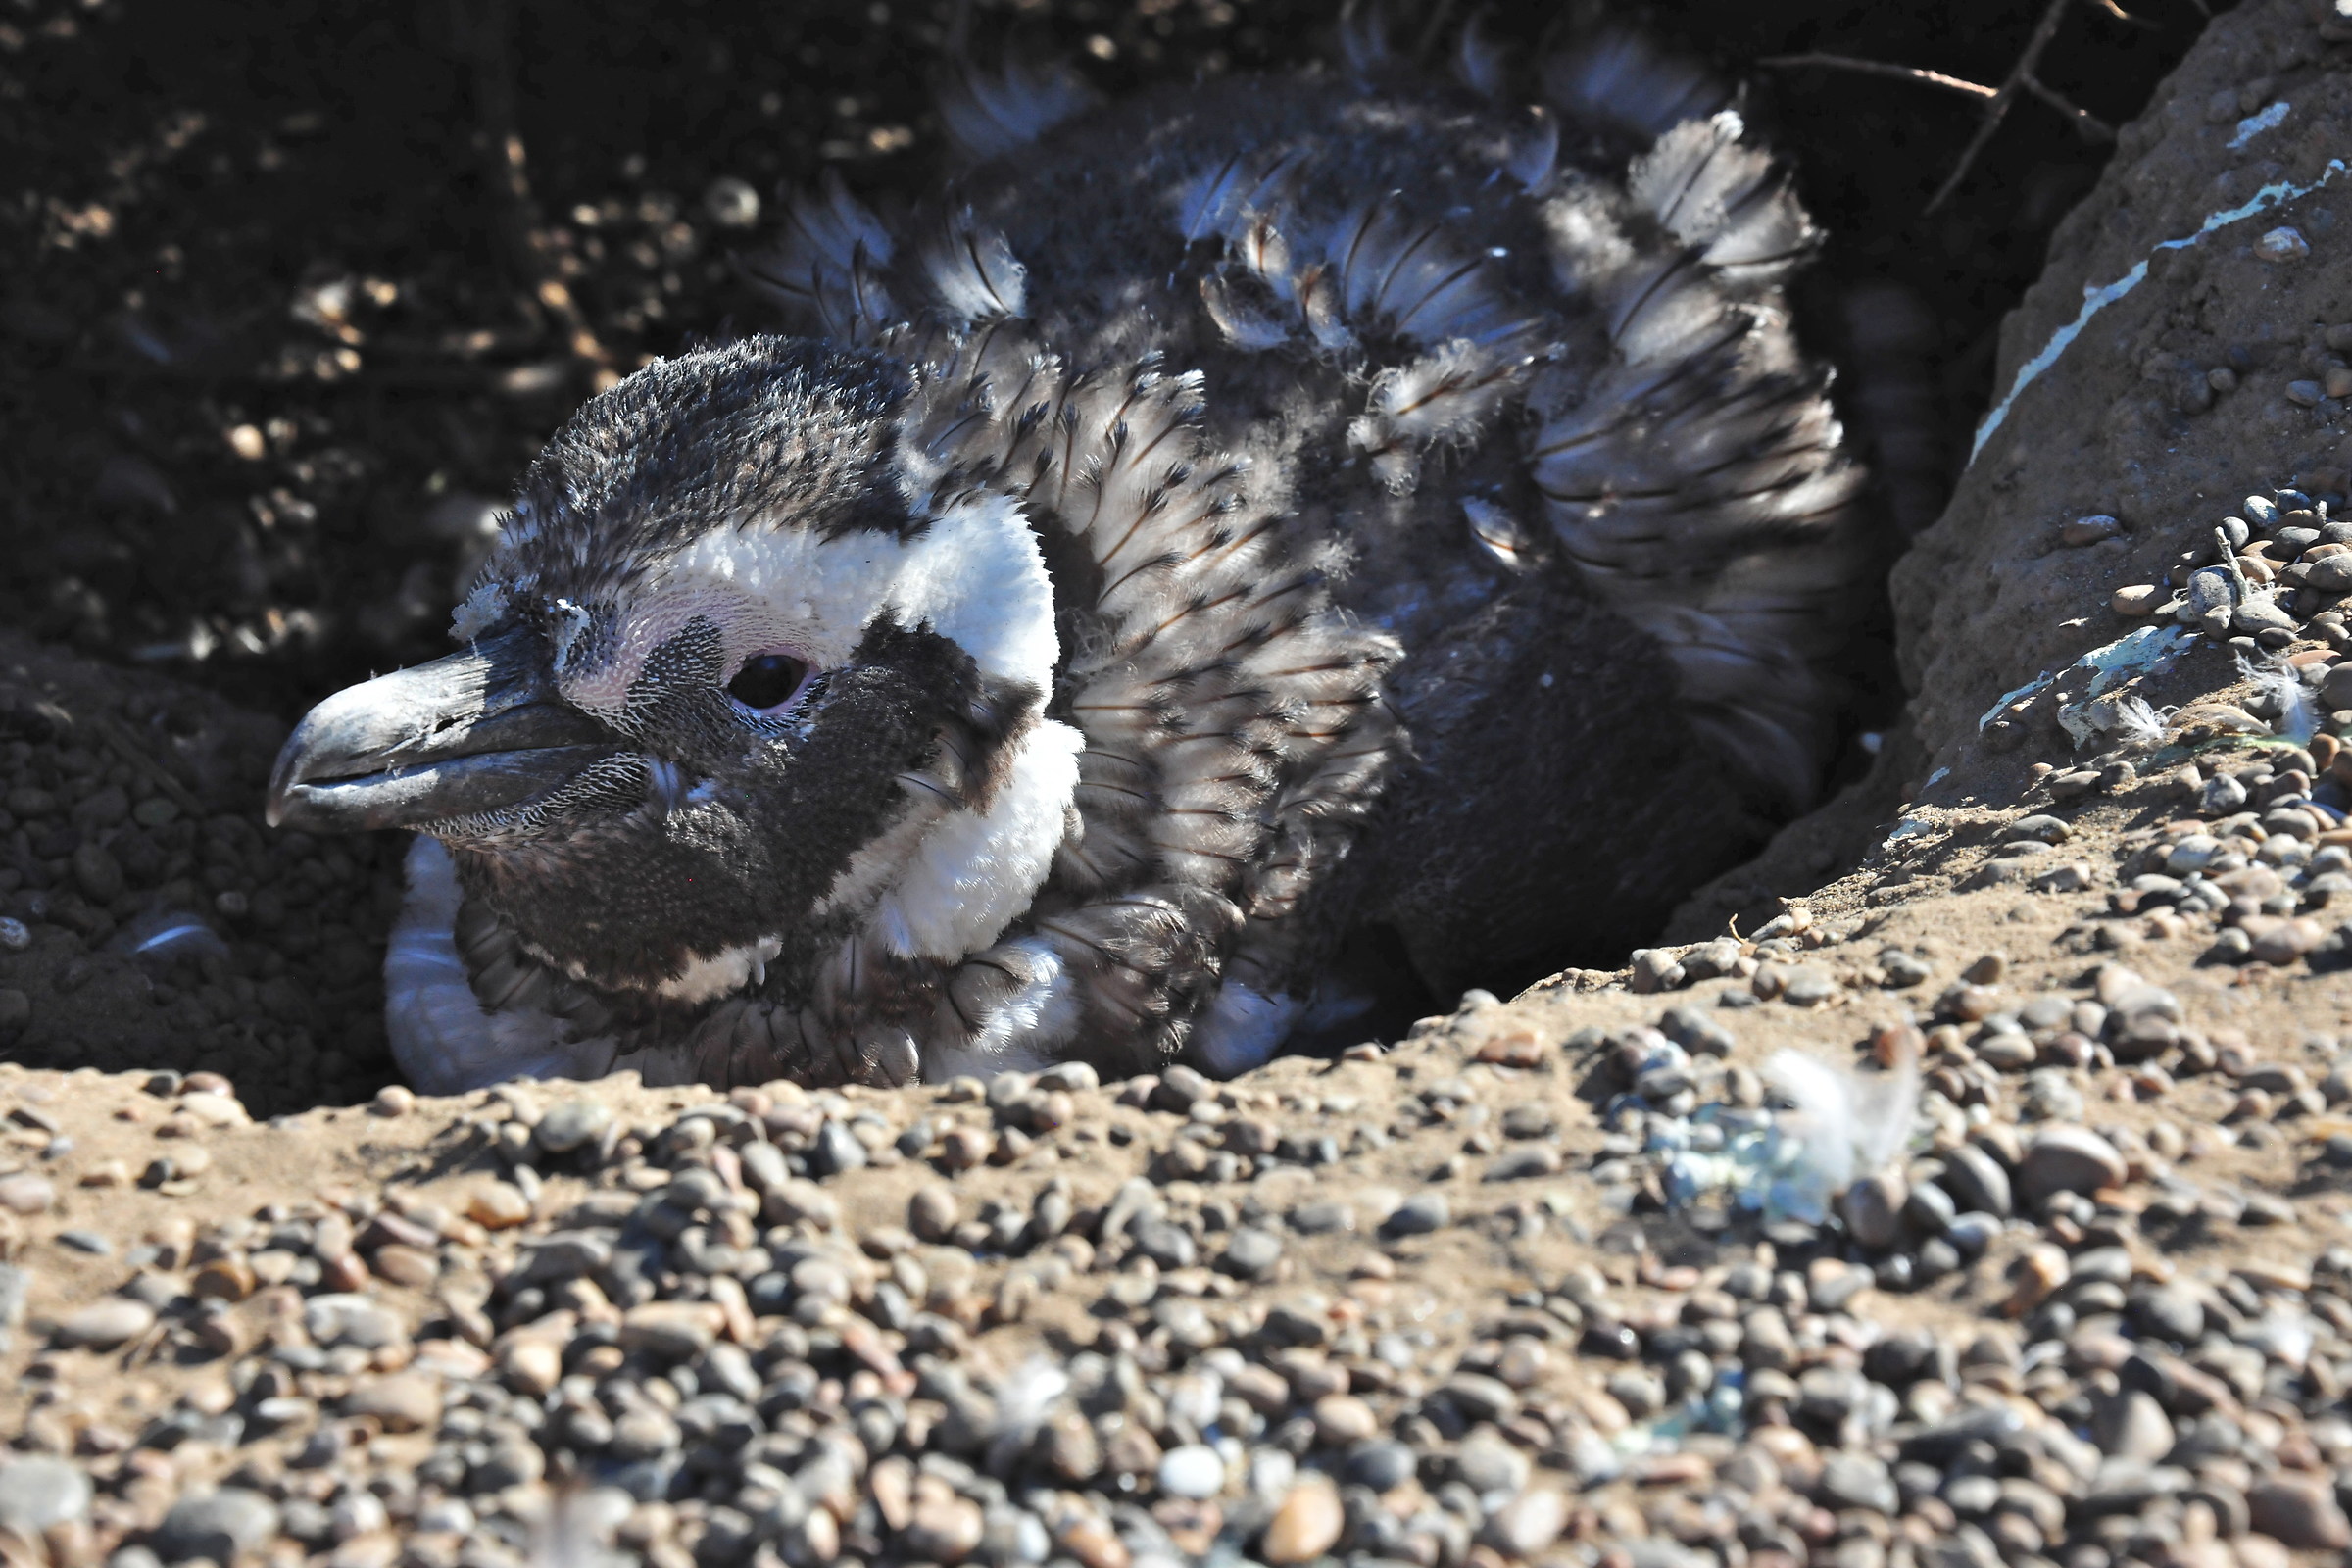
(767, 681)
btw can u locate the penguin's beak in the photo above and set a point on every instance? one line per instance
(479, 730)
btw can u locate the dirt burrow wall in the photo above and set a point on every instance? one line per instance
(2184, 348)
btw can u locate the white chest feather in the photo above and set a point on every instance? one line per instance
(974, 871)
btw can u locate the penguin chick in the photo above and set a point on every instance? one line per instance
(1213, 528)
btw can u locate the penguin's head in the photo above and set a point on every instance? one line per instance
(739, 649)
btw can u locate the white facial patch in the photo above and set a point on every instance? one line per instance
(974, 576)
(974, 871)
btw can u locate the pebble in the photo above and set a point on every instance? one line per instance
(1306, 1526)
(26, 1193)
(836, 1149)
(1380, 1463)
(404, 1403)
(1529, 1523)
(498, 1207)
(2065, 1158)
(532, 1365)
(2132, 1425)
(1976, 1181)
(1343, 1420)
(1418, 1215)
(1873, 1208)
(2302, 1514)
(932, 1212)
(221, 1526)
(2282, 244)
(105, 1324)
(1193, 1470)
(944, 1529)
(1321, 1217)
(573, 1124)
(1488, 1463)
(1251, 1255)
(37, 1492)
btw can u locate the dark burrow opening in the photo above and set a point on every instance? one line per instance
(268, 366)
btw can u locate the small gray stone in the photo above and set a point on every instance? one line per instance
(1164, 1242)
(1831, 1284)
(568, 1126)
(2067, 1158)
(102, 1325)
(352, 1319)
(37, 1492)
(932, 1212)
(1520, 1163)
(2130, 1425)
(1640, 1390)
(1874, 1208)
(1322, 1217)
(1252, 1253)
(2052, 1096)
(2209, 601)
(1972, 1497)
(221, 1525)
(1830, 1393)
(835, 1151)
(1976, 1181)
(1487, 1463)
(2168, 1312)
(1808, 986)
(1380, 1463)
(1180, 1086)
(1481, 1398)
(1529, 1523)
(1193, 1470)
(1971, 1234)
(764, 1166)
(564, 1255)
(1418, 1215)
(1903, 970)
(1529, 1119)
(2258, 613)
(1929, 1209)
(2223, 795)
(1852, 1480)
(26, 1193)
(1697, 1032)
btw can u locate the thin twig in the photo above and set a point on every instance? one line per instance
(2120, 15)
(514, 216)
(2093, 127)
(1879, 67)
(2043, 32)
